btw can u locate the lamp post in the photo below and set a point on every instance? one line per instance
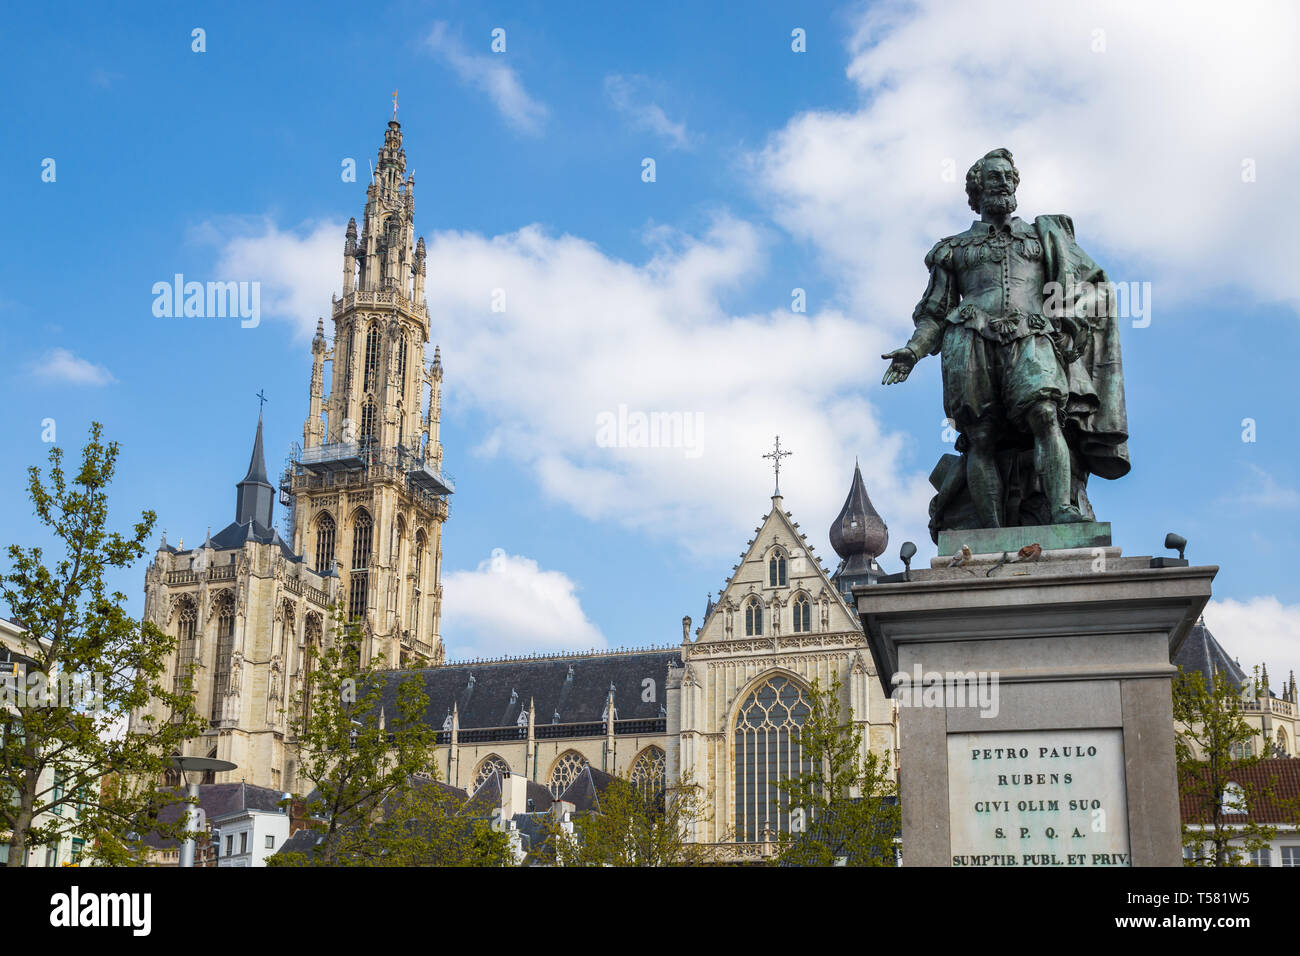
(193, 769)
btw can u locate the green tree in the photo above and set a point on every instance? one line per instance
(631, 825)
(1214, 747)
(424, 826)
(844, 808)
(358, 745)
(69, 762)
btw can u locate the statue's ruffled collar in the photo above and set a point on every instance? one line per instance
(1017, 227)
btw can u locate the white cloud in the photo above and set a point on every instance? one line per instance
(1264, 491)
(509, 605)
(489, 73)
(584, 333)
(61, 367)
(630, 96)
(297, 268)
(1261, 630)
(1143, 144)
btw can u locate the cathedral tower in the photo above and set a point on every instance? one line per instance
(368, 492)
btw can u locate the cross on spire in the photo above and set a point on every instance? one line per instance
(261, 400)
(394, 104)
(776, 454)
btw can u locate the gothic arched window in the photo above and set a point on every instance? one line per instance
(564, 771)
(225, 650)
(491, 764)
(186, 644)
(324, 541)
(802, 614)
(372, 360)
(648, 771)
(401, 366)
(368, 417)
(753, 618)
(1281, 742)
(776, 571)
(362, 535)
(767, 750)
(312, 639)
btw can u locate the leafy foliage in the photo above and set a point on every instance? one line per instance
(70, 765)
(359, 757)
(420, 825)
(631, 825)
(1213, 748)
(846, 803)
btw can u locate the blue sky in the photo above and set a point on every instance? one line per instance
(1169, 141)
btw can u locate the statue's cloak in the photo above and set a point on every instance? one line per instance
(1096, 424)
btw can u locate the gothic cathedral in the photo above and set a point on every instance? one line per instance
(367, 496)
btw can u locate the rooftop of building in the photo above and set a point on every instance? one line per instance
(563, 688)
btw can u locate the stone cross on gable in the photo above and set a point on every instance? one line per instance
(776, 455)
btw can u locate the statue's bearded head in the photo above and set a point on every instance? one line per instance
(992, 182)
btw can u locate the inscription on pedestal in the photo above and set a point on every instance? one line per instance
(1038, 798)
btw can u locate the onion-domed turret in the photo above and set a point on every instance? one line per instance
(858, 535)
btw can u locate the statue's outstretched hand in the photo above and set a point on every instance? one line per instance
(900, 365)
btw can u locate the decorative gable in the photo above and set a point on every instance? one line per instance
(777, 576)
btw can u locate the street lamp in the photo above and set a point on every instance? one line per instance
(193, 770)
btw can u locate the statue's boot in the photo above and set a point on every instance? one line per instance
(1069, 514)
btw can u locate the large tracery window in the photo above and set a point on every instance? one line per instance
(648, 771)
(401, 366)
(802, 614)
(185, 636)
(567, 767)
(324, 542)
(490, 765)
(753, 618)
(767, 751)
(225, 649)
(372, 360)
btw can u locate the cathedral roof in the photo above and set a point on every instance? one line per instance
(235, 534)
(1201, 652)
(493, 693)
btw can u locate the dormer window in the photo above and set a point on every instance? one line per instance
(753, 618)
(1234, 799)
(776, 571)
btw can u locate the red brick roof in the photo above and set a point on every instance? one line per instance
(1278, 777)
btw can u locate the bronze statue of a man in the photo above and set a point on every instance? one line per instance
(1032, 379)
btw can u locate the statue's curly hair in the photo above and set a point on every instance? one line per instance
(976, 172)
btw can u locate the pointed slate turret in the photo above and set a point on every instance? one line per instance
(859, 536)
(254, 495)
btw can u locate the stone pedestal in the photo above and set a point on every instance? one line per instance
(1036, 724)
